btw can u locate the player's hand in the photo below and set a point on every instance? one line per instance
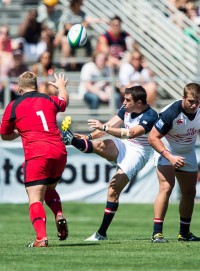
(96, 124)
(176, 161)
(61, 81)
(80, 136)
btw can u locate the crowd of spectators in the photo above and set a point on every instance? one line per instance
(115, 54)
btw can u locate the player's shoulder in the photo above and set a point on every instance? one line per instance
(121, 112)
(152, 112)
(173, 108)
(149, 114)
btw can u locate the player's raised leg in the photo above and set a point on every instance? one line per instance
(166, 177)
(37, 214)
(104, 148)
(116, 185)
(52, 200)
(187, 182)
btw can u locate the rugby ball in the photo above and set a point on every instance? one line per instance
(77, 36)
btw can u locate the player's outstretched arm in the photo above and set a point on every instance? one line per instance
(60, 84)
(155, 141)
(117, 132)
(113, 122)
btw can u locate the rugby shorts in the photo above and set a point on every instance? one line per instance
(130, 157)
(42, 170)
(190, 159)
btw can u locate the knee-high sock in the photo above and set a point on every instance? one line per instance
(38, 219)
(52, 200)
(83, 145)
(110, 210)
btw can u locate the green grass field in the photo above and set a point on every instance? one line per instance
(128, 248)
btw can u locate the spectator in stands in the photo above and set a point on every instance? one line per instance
(6, 46)
(115, 42)
(44, 68)
(49, 14)
(93, 87)
(192, 12)
(71, 16)
(30, 32)
(136, 72)
(18, 68)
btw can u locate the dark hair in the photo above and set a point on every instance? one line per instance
(116, 18)
(193, 89)
(138, 93)
(73, 3)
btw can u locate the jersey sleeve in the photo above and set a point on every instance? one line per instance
(60, 102)
(148, 119)
(121, 113)
(7, 122)
(165, 121)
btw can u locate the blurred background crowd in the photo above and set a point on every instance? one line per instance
(113, 57)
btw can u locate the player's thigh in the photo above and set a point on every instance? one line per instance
(118, 182)
(166, 177)
(36, 193)
(187, 182)
(106, 149)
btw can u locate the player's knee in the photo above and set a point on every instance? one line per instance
(99, 146)
(166, 189)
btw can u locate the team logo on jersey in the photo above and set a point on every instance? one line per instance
(159, 124)
(179, 122)
(144, 121)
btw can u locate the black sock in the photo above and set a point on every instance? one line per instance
(82, 145)
(185, 225)
(110, 210)
(158, 226)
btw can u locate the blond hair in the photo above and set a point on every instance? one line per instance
(27, 80)
(193, 89)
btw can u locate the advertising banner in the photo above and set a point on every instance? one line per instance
(85, 178)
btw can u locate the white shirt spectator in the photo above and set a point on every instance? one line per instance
(129, 76)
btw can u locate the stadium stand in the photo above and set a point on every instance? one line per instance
(172, 55)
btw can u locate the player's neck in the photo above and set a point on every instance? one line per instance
(27, 90)
(141, 109)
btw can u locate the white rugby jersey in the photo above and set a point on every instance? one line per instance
(180, 128)
(146, 119)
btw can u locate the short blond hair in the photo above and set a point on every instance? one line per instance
(27, 80)
(193, 89)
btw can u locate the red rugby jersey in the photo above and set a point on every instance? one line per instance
(34, 116)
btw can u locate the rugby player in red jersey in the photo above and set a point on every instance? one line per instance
(33, 117)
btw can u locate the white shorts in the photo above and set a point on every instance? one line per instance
(130, 158)
(190, 159)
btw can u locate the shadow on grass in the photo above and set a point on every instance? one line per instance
(77, 245)
(88, 244)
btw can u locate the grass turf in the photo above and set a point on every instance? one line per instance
(128, 248)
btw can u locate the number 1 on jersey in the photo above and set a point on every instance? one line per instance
(44, 122)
